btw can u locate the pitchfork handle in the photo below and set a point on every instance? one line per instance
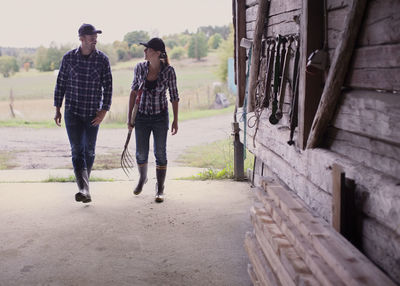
(128, 138)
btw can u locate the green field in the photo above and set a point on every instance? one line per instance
(33, 91)
(191, 75)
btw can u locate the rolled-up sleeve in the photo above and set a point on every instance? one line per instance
(172, 85)
(136, 77)
(107, 85)
(61, 84)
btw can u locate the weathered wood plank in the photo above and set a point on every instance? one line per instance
(308, 173)
(250, 3)
(365, 150)
(253, 275)
(379, 27)
(386, 56)
(344, 258)
(337, 4)
(379, 79)
(386, 253)
(276, 8)
(337, 74)
(317, 265)
(371, 114)
(273, 259)
(273, 239)
(261, 265)
(288, 27)
(376, 67)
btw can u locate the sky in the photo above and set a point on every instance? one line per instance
(31, 23)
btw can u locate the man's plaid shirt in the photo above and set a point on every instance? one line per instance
(155, 100)
(86, 83)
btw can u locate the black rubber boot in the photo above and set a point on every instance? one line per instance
(142, 178)
(161, 172)
(82, 180)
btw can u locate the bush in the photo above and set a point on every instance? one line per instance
(214, 41)
(8, 65)
(177, 53)
(136, 51)
(198, 47)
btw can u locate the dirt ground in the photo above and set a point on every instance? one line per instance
(194, 238)
(49, 148)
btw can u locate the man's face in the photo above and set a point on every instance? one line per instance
(89, 41)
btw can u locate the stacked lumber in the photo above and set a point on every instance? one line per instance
(291, 246)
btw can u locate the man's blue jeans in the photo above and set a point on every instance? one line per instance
(144, 125)
(82, 138)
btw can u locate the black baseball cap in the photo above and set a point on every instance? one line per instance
(156, 44)
(87, 29)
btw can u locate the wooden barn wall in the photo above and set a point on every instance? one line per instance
(364, 136)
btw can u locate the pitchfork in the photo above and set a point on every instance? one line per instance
(127, 161)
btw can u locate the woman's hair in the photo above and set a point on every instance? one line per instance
(164, 58)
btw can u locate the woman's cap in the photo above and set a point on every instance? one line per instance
(87, 29)
(156, 44)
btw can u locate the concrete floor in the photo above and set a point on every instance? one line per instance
(194, 238)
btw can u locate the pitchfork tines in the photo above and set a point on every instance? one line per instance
(127, 161)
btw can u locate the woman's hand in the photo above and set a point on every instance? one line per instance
(174, 127)
(130, 126)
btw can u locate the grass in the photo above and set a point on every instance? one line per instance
(118, 120)
(70, 179)
(107, 161)
(217, 157)
(5, 160)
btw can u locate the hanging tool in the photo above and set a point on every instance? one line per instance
(268, 78)
(127, 161)
(282, 88)
(295, 97)
(277, 73)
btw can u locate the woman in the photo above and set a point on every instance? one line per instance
(154, 76)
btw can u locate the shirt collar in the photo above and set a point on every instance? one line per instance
(78, 51)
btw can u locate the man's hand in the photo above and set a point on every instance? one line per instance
(174, 128)
(99, 117)
(57, 117)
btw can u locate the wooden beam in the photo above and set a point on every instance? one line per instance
(256, 51)
(310, 84)
(240, 53)
(337, 73)
(348, 263)
(261, 265)
(337, 179)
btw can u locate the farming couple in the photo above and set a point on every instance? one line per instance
(85, 80)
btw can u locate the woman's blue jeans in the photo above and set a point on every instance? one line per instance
(144, 125)
(82, 138)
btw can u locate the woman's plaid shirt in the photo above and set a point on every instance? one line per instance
(155, 100)
(86, 83)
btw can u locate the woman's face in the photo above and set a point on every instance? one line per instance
(150, 54)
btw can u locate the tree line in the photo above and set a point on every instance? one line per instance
(193, 45)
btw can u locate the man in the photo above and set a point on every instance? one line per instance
(85, 81)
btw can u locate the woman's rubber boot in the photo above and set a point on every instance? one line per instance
(82, 180)
(161, 172)
(142, 178)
